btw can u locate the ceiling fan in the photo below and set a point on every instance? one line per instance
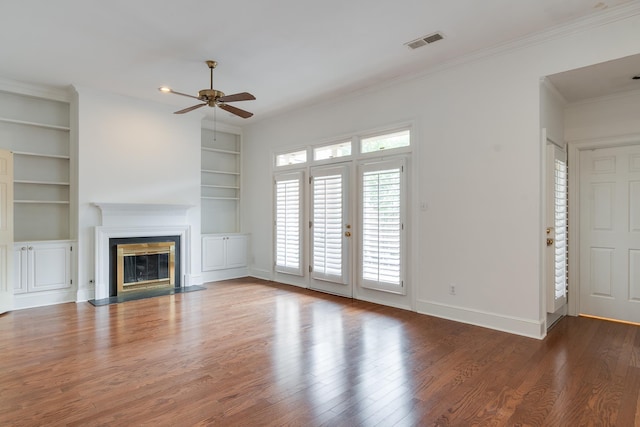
(215, 98)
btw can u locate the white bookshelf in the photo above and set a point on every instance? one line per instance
(220, 182)
(37, 131)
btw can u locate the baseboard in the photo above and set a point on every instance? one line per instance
(260, 274)
(217, 275)
(513, 325)
(193, 280)
(86, 294)
(41, 299)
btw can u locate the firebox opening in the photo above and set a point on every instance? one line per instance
(144, 263)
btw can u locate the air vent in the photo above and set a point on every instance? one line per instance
(423, 41)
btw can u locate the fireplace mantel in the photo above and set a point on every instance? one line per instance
(122, 220)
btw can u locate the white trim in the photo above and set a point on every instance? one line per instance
(511, 324)
(41, 299)
(599, 99)
(259, 273)
(574, 148)
(36, 91)
(225, 274)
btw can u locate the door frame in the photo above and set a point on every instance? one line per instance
(573, 150)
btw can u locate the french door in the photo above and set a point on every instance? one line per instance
(330, 229)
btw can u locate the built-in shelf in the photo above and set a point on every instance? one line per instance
(220, 172)
(22, 181)
(220, 181)
(218, 150)
(230, 187)
(49, 202)
(52, 156)
(40, 125)
(219, 198)
(40, 142)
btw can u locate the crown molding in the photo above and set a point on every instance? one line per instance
(612, 97)
(37, 91)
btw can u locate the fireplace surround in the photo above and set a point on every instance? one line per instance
(135, 221)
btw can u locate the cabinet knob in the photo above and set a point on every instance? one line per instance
(24, 248)
(30, 248)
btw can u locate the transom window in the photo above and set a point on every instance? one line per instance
(332, 151)
(291, 158)
(385, 141)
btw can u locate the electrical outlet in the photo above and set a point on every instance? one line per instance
(452, 289)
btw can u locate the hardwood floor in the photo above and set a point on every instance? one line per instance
(249, 353)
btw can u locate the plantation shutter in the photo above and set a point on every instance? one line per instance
(327, 224)
(288, 223)
(560, 227)
(382, 211)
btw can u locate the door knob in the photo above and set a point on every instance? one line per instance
(549, 242)
(347, 233)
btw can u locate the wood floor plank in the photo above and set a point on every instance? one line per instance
(248, 352)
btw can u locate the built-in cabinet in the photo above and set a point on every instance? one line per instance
(42, 266)
(37, 131)
(224, 251)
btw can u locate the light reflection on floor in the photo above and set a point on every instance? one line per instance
(342, 364)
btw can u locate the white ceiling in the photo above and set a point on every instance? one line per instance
(287, 53)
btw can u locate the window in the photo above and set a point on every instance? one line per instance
(292, 158)
(381, 217)
(288, 223)
(332, 151)
(386, 141)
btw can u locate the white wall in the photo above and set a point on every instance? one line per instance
(552, 106)
(477, 164)
(133, 151)
(604, 117)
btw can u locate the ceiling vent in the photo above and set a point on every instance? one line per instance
(423, 41)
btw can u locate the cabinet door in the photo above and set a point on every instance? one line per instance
(213, 253)
(236, 251)
(50, 266)
(20, 269)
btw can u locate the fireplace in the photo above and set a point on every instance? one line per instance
(133, 221)
(144, 263)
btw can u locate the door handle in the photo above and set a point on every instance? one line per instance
(549, 242)
(347, 233)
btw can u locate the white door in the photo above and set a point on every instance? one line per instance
(330, 230)
(6, 231)
(610, 233)
(556, 232)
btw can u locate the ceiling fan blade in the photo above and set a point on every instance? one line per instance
(169, 90)
(244, 96)
(186, 110)
(236, 111)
